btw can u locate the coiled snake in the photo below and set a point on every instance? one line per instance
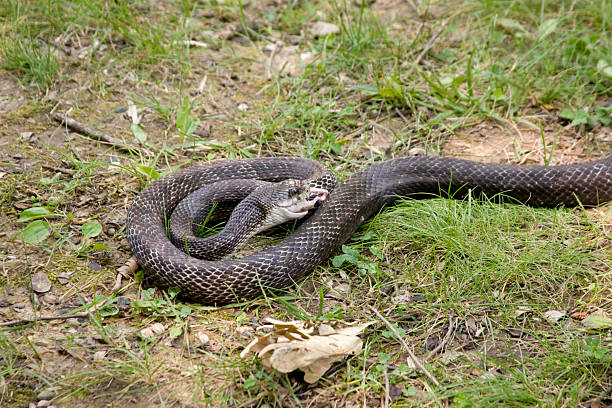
(352, 202)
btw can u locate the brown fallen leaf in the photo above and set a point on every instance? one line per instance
(311, 348)
(41, 282)
(578, 315)
(152, 331)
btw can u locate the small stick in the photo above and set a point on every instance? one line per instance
(130, 267)
(413, 357)
(446, 338)
(428, 46)
(58, 169)
(387, 392)
(91, 133)
(58, 317)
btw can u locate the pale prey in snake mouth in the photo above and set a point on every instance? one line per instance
(336, 218)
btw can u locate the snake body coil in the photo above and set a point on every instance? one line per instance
(352, 202)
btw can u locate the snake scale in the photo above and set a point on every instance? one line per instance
(353, 201)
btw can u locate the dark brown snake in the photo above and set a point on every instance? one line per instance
(353, 201)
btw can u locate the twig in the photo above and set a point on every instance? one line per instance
(58, 169)
(351, 135)
(413, 357)
(445, 339)
(387, 393)
(91, 133)
(58, 317)
(130, 267)
(428, 46)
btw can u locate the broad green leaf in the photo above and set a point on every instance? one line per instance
(109, 309)
(185, 311)
(597, 321)
(138, 133)
(567, 114)
(91, 229)
(148, 171)
(36, 232)
(33, 214)
(173, 291)
(338, 260)
(175, 331)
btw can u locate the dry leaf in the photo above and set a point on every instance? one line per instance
(289, 60)
(64, 277)
(302, 345)
(99, 355)
(521, 310)
(323, 29)
(578, 315)
(202, 339)
(41, 282)
(152, 331)
(554, 315)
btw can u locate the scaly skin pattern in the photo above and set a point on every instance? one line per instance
(192, 211)
(351, 202)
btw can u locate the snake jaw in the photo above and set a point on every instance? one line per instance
(318, 194)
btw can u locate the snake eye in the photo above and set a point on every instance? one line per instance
(293, 191)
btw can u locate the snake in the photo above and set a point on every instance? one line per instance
(357, 198)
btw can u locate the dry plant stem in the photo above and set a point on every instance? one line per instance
(59, 317)
(413, 357)
(428, 46)
(447, 336)
(387, 393)
(58, 169)
(91, 133)
(129, 268)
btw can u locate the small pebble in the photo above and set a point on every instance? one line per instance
(46, 394)
(43, 403)
(94, 266)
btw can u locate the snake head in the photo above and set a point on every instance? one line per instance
(288, 200)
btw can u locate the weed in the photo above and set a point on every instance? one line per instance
(34, 64)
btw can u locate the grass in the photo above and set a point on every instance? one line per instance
(475, 279)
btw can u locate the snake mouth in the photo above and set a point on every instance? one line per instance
(306, 203)
(301, 205)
